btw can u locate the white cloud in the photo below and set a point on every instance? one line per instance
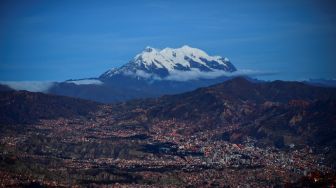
(33, 86)
(194, 74)
(86, 82)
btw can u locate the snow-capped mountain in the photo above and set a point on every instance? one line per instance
(151, 73)
(170, 63)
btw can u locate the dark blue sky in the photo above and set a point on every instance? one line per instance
(59, 40)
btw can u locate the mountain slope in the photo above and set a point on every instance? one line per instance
(20, 107)
(239, 91)
(276, 113)
(5, 88)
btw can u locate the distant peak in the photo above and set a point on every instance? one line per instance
(239, 80)
(186, 47)
(149, 49)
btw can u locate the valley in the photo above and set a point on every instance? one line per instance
(214, 136)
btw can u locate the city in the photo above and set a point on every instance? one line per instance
(106, 148)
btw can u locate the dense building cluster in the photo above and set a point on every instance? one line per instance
(112, 149)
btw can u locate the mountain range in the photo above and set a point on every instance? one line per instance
(151, 73)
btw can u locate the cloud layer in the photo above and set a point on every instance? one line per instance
(33, 86)
(196, 74)
(86, 82)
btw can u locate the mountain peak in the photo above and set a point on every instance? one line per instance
(149, 49)
(186, 47)
(166, 63)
